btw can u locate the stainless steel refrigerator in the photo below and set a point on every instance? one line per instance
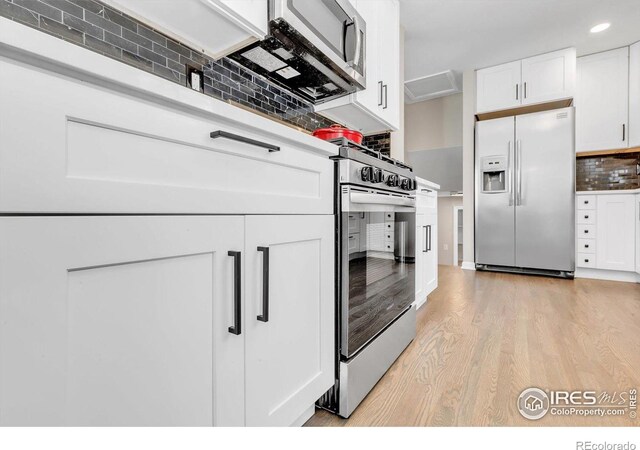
(525, 193)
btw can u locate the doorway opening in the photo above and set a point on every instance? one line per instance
(457, 235)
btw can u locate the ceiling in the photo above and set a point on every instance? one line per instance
(458, 35)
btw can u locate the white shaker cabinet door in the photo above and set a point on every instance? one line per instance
(548, 77)
(602, 101)
(499, 87)
(616, 230)
(290, 321)
(430, 265)
(634, 95)
(119, 321)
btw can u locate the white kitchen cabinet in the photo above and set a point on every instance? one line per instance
(498, 87)
(120, 321)
(217, 27)
(548, 77)
(376, 108)
(634, 95)
(426, 252)
(539, 79)
(101, 150)
(616, 231)
(602, 101)
(289, 322)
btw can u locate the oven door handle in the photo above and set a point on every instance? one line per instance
(377, 199)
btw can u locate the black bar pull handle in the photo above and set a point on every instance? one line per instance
(429, 228)
(264, 317)
(244, 140)
(517, 90)
(385, 98)
(624, 131)
(237, 293)
(426, 240)
(380, 101)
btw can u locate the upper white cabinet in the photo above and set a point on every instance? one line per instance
(602, 101)
(539, 79)
(634, 95)
(217, 27)
(376, 108)
(616, 232)
(499, 87)
(549, 77)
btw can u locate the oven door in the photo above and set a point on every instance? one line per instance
(377, 263)
(333, 27)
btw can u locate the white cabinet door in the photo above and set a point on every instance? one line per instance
(430, 266)
(218, 27)
(602, 100)
(498, 87)
(119, 321)
(634, 95)
(289, 316)
(421, 245)
(547, 77)
(616, 230)
(371, 98)
(388, 55)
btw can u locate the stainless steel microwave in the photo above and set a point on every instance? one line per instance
(315, 48)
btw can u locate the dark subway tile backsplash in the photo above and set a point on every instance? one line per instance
(610, 172)
(99, 28)
(379, 142)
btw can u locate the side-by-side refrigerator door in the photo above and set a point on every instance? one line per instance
(545, 190)
(495, 221)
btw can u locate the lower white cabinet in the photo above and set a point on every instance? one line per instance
(426, 260)
(616, 232)
(152, 321)
(289, 321)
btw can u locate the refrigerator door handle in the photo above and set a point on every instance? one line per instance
(510, 173)
(519, 173)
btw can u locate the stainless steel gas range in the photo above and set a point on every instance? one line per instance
(375, 215)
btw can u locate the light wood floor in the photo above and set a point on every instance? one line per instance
(484, 337)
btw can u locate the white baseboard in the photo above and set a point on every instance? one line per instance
(468, 265)
(306, 415)
(608, 275)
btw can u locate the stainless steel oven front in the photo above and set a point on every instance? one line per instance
(377, 235)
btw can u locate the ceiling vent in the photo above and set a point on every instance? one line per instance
(431, 86)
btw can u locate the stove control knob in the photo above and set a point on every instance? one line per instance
(378, 176)
(392, 180)
(366, 173)
(405, 184)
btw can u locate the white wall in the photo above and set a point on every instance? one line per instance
(434, 124)
(468, 166)
(445, 229)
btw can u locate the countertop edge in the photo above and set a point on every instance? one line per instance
(609, 192)
(22, 43)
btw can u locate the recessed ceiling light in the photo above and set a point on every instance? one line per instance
(600, 27)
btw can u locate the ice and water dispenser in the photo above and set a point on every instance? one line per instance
(494, 174)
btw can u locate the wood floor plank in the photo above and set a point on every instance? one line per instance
(484, 337)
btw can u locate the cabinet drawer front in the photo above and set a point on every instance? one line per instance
(389, 236)
(389, 227)
(586, 231)
(586, 217)
(388, 246)
(354, 242)
(586, 260)
(70, 147)
(587, 246)
(586, 202)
